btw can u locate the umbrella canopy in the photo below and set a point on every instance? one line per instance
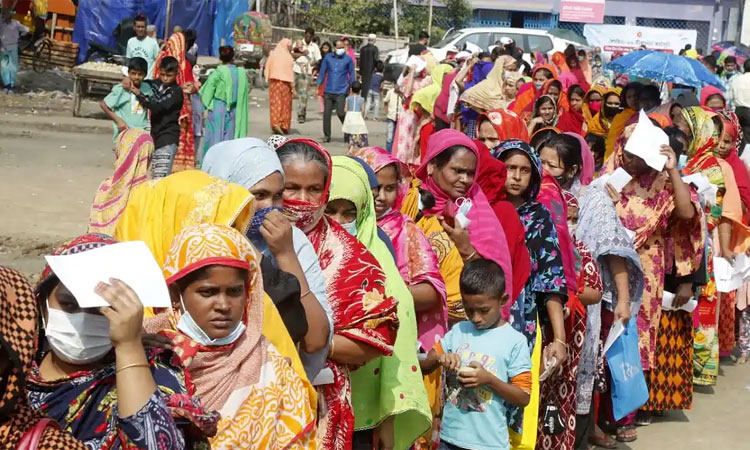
(661, 66)
(568, 35)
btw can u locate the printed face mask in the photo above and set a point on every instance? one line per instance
(78, 338)
(304, 215)
(253, 233)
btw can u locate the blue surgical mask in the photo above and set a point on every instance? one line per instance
(192, 330)
(351, 228)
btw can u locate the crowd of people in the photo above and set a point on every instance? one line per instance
(453, 290)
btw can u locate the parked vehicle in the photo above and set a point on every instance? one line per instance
(527, 39)
(252, 39)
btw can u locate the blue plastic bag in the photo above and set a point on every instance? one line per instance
(629, 389)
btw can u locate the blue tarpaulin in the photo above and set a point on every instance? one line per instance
(96, 20)
(226, 12)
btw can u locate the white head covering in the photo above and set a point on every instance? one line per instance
(244, 161)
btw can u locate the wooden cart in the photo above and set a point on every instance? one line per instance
(83, 77)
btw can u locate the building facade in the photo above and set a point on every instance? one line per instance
(714, 20)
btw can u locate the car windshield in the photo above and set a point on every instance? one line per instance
(450, 37)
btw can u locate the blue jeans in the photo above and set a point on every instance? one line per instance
(389, 135)
(373, 102)
(162, 161)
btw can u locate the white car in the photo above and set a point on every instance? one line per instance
(484, 37)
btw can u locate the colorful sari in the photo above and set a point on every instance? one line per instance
(408, 125)
(362, 311)
(132, 166)
(528, 94)
(507, 124)
(547, 278)
(588, 112)
(280, 76)
(18, 322)
(225, 96)
(406, 399)
(487, 95)
(264, 401)
(646, 207)
(427, 96)
(485, 232)
(600, 125)
(84, 403)
(618, 124)
(175, 47)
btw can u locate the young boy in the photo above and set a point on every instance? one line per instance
(394, 103)
(122, 107)
(487, 364)
(373, 95)
(165, 104)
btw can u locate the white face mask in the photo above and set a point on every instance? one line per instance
(351, 228)
(340, 51)
(78, 338)
(192, 330)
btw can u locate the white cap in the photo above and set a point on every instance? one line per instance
(506, 40)
(371, 36)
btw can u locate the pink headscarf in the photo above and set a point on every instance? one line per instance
(485, 232)
(551, 196)
(587, 168)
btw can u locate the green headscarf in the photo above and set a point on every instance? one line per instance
(429, 94)
(391, 385)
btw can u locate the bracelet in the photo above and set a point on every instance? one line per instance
(131, 365)
(473, 254)
(330, 349)
(565, 344)
(307, 292)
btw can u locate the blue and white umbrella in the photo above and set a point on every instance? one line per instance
(666, 67)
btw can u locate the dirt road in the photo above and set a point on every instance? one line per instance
(52, 163)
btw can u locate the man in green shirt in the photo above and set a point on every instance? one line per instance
(142, 45)
(122, 106)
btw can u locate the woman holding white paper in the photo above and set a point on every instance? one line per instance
(664, 215)
(95, 378)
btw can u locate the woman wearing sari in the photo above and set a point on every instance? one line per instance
(573, 119)
(132, 167)
(601, 122)
(728, 236)
(279, 72)
(365, 320)
(95, 379)
(669, 236)
(489, 94)
(592, 104)
(629, 99)
(494, 127)
(423, 103)
(408, 123)
(215, 326)
(18, 319)
(568, 159)
(544, 114)
(176, 48)
(253, 164)
(225, 96)
(530, 92)
(539, 306)
(396, 397)
(448, 172)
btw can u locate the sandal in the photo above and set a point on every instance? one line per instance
(628, 433)
(643, 418)
(602, 440)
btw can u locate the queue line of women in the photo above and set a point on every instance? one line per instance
(304, 286)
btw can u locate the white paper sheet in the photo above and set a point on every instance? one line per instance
(619, 179)
(646, 142)
(618, 327)
(667, 299)
(130, 262)
(705, 188)
(727, 278)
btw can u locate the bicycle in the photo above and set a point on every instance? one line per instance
(42, 59)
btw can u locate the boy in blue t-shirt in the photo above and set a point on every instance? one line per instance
(487, 364)
(122, 106)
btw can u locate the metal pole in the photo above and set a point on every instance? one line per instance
(429, 21)
(395, 19)
(740, 22)
(167, 20)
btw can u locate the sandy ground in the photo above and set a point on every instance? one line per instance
(51, 164)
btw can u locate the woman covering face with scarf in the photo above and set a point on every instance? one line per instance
(254, 165)
(365, 319)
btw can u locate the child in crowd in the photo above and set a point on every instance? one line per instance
(373, 96)
(165, 104)
(394, 103)
(122, 106)
(487, 364)
(354, 128)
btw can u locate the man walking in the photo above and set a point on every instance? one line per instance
(306, 54)
(368, 58)
(340, 70)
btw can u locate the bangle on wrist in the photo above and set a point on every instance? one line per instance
(560, 341)
(131, 366)
(330, 349)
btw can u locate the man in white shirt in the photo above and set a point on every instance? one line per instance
(740, 88)
(10, 31)
(306, 54)
(142, 45)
